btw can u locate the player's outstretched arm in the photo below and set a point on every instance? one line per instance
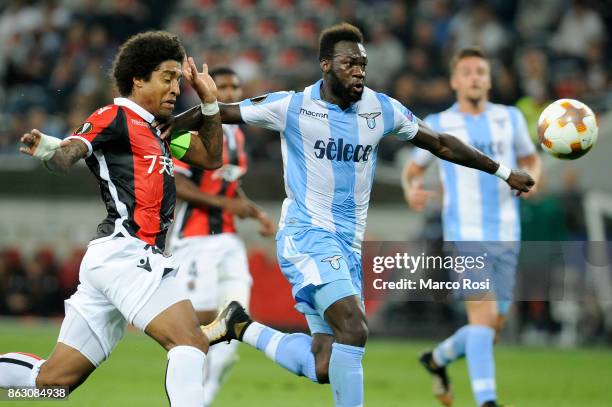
(206, 146)
(192, 119)
(188, 191)
(57, 155)
(452, 149)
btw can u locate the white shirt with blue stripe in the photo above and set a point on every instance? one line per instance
(329, 155)
(479, 206)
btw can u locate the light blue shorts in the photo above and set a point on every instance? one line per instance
(322, 269)
(500, 269)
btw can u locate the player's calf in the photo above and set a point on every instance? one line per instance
(177, 330)
(348, 322)
(322, 349)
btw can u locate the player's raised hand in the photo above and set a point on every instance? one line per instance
(201, 82)
(30, 142)
(416, 196)
(521, 181)
(39, 145)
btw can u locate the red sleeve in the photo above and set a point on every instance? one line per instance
(100, 127)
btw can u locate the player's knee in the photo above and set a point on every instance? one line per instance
(354, 331)
(195, 338)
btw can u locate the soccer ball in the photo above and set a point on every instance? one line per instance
(567, 129)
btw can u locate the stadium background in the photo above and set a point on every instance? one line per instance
(54, 63)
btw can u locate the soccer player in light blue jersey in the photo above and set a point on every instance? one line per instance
(329, 137)
(477, 207)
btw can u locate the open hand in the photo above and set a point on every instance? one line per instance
(201, 82)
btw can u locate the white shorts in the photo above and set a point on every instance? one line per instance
(122, 280)
(214, 269)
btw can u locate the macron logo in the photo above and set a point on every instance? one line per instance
(313, 114)
(139, 123)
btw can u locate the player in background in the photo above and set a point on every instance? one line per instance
(329, 137)
(213, 259)
(477, 207)
(124, 276)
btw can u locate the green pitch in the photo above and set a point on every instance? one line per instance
(134, 376)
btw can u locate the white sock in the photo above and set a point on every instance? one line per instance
(219, 361)
(19, 370)
(251, 335)
(185, 376)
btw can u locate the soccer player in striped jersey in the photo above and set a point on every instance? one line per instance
(124, 276)
(329, 137)
(479, 208)
(213, 259)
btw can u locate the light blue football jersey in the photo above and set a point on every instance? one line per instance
(480, 206)
(329, 155)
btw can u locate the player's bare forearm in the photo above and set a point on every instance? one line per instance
(206, 146)
(66, 156)
(230, 113)
(188, 191)
(192, 119)
(188, 120)
(450, 148)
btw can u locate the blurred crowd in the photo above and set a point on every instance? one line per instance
(38, 284)
(55, 55)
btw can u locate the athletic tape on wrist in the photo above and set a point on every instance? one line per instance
(46, 147)
(503, 172)
(209, 109)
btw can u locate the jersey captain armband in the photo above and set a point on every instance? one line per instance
(179, 144)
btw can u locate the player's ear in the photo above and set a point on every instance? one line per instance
(138, 83)
(325, 65)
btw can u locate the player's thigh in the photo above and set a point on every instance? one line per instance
(177, 326)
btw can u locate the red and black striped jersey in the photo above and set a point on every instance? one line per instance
(135, 171)
(201, 221)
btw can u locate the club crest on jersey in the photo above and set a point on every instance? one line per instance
(84, 129)
(334, 261)
(370, 118)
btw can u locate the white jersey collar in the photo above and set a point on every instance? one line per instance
(135, 107)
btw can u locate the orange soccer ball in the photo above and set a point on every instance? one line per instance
(567, 129)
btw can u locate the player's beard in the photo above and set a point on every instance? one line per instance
(343, 92)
